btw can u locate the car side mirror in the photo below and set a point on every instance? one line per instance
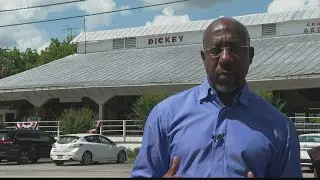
(113, 143)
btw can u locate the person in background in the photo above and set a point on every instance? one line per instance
(219, 128)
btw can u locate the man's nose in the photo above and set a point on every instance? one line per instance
(225, 57)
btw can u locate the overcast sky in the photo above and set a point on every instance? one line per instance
(38, 35)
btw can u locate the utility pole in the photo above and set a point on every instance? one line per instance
(70, 29)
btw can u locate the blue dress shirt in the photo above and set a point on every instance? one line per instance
(214, 141)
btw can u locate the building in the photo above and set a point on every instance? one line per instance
(113, 67)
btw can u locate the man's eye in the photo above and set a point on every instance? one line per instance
(215, 50)
(232, 47)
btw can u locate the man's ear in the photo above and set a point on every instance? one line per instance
(202, 55)
(251, 54)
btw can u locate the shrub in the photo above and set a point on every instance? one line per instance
(315, 120)
(144, 105)
(132, 154)
(76, 120)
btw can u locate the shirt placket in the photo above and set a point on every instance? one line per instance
(218, 145)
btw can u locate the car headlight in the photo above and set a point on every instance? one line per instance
(75, 145)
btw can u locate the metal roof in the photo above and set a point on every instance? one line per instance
(274, 57)
(252, 19)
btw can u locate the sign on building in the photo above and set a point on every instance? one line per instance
(165, 40)
(312, 27)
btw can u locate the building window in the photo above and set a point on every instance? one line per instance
(269, 29)
(130, 42)
(127, 43)
(118, 43)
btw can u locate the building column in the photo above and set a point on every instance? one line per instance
(100, 101)
(307, 114)
(101, 111)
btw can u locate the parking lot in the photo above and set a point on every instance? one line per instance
(45, 168)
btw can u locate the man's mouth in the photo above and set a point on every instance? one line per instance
(225, 73)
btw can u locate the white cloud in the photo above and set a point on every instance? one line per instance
(94, 22)
(30, 36)
(125, 13)
(43, 46)
(168, 17)
(287, 5)
(183, 6)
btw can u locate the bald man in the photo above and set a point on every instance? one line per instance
(219, 128)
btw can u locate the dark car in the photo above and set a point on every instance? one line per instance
(23, 146)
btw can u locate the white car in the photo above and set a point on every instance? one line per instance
(86, 148)
(308, 141)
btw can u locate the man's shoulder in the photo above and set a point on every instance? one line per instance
(269, 112)
(176, 100)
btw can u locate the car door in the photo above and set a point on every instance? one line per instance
(95, 147)
(45, 144)
(110, 151)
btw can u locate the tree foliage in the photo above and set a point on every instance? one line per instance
(144, 105)
(16, 61)
(76, 120)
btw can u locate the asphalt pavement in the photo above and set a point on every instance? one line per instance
(47, 169)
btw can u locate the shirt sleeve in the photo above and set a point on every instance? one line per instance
(290, 160)
(153, 158)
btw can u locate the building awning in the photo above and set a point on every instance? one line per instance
(293, 59)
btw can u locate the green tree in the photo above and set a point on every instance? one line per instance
(17, 61)
(144, 105)
(57, 50)
(76, 120)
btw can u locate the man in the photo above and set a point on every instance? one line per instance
(219, 128)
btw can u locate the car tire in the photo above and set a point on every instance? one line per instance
(34, 160)
(23, 157)
(122, 157)
(34, 155)
(86, 158)
(59, 163)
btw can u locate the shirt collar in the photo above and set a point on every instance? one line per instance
(205, 90)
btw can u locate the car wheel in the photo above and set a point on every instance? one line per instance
(23, 157)
(34, 155)
(35, 160)
(86, 158)
(59, 163)
(121, 158)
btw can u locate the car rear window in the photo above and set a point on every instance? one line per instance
(4, 135)
(303, 138)
(309, 138)
(67, 139)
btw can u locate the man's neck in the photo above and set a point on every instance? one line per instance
(227, 98)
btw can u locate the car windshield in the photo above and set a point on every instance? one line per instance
(67, 139)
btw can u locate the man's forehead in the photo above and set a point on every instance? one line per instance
(224, 35)
(226, 29)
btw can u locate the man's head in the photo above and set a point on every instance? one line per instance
(226, 54)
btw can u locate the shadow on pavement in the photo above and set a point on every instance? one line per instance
(8, 163)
